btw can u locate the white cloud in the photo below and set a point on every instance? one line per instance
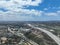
(21, 14)
(57, 13)
(16, 9)
(51, 14)
(12, 5)
(45, 8)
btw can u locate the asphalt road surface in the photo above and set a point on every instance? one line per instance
(54, 37)
(21, 35)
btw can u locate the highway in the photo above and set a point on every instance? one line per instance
(22, 35)
(54, 37)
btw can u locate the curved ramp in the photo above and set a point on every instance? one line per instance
(54, 37)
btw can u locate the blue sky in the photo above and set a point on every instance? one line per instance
(29, 10)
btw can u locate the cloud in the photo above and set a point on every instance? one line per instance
(19, 3)
(18, 6)
(57, 13)
(51, 14)
(16, 10)
(21, 14)
(45, 8)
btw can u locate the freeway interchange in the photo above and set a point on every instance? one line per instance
(54, 37)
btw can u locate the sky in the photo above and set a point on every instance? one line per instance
(29, 10)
